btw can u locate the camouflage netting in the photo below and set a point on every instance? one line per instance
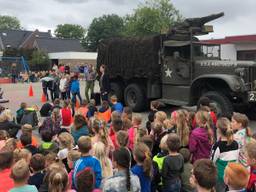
(131, 57)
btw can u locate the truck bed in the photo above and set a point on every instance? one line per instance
(131, 57)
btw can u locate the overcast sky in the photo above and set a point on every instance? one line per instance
(239, 16)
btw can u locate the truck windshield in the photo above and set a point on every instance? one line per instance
(183, 51)
(206, 51)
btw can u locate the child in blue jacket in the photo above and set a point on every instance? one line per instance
(75, 91)
(86, 160)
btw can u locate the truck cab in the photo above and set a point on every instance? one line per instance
(192, 69)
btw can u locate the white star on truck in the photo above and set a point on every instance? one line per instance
(168, 73)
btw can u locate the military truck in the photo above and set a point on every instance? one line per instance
(177, 69)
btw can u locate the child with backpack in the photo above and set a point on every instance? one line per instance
(86, 160)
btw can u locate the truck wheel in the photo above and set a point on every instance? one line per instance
(116, 89)
(135, 97)
(223, 106)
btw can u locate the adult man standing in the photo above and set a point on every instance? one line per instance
(90, 76)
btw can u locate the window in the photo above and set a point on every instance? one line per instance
(184, 51)
(206, 51)
(249, 55)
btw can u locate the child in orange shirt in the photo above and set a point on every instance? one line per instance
(27, 129)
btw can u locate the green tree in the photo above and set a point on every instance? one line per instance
(9, 22)
(39, 61)
(101, 28)
(70, 31)
(152, 17)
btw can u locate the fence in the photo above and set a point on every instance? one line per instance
(6, 66)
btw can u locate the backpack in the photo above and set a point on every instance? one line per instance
(86, 173)
(29, 118)
(47, 125)
(19, 115)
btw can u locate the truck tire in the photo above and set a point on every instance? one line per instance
(135, 97)
(223, 106)
(117, 89)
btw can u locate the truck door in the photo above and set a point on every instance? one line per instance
(176, 73)
(176, 65)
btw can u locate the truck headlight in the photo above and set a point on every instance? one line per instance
(240, 72)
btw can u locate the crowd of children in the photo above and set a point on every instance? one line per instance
(110, 149)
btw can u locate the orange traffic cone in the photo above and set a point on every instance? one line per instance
(30, 91)
(43, 98)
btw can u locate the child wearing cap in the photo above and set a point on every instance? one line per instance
(236, 177)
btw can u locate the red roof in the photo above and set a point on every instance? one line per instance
(233, 39)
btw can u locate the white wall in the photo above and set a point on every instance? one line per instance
(228, 52)
(73, 55)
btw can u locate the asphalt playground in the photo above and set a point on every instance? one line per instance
(19, 92)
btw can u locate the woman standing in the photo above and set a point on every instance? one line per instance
(104, 83)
